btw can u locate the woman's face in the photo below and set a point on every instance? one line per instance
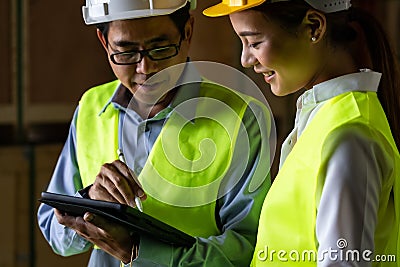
(288, 61)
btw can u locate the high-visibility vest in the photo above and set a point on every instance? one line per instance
(177, 167)
(287, 226)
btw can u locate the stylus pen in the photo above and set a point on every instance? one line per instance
(138, 202)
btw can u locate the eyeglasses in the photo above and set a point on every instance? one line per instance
(135, 56)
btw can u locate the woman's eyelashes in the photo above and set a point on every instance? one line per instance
(254, 45)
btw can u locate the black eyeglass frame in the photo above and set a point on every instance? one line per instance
(146, 52)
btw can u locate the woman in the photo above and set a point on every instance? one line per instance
(336, 198)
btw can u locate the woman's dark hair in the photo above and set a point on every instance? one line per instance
(179, 17)
(342, 31)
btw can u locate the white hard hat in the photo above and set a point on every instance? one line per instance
(99, 11)
(227, 7)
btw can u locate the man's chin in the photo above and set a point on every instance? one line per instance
(150, 96)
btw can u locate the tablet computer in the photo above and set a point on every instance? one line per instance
(137, 221)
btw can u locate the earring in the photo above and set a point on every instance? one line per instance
(313, 39)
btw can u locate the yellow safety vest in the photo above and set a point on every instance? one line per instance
(286, 234)
(176, 163)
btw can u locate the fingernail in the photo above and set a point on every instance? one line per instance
(88, 217)
(140, 192)
(132, 203)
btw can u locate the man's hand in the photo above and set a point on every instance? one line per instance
(109, 236)
(114, 183)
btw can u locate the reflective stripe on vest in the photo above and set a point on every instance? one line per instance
(182, 169)
(288, 217)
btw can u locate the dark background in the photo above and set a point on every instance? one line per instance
(48, 58)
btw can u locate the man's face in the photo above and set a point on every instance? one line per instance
(144, 34)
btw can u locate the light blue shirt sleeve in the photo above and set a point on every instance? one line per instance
(65, 180)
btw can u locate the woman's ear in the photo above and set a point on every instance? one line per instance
(102, 39)
(315, 22)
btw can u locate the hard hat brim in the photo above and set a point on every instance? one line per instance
(223, 9)
(135, 14)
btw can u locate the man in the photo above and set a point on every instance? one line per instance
(147, 45)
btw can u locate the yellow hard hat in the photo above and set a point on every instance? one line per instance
(230, 6)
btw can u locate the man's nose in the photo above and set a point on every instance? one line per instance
(146, 66)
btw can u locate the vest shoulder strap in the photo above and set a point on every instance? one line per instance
(93, 131)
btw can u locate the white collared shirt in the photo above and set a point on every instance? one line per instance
(312, 100)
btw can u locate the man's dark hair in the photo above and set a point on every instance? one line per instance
(179, 17)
